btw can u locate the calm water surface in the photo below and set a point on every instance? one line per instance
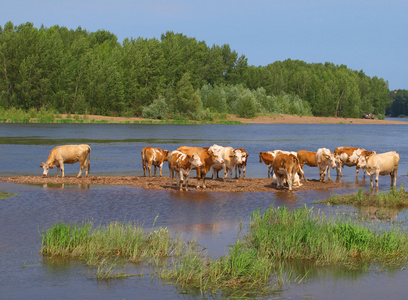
(211, 218)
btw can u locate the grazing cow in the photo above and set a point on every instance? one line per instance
(306, 158)
(230, 157)
(285, 166)
(241, 168)
(207, 157)
(380, 164)
(68, 154)
(182, 164)
(348, 156)
(324, 161)
(153, 156)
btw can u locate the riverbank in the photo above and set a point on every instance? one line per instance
(275, 119)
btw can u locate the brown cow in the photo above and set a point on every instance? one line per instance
(241, 168)
(285, 166)
(306, 158)
(68, 154)
(348, 156)
(267, 158)
(182, 164)
(207, 157)
(153, 156)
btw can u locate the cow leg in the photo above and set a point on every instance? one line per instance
(144, 168)
(155, 167)
(171, 177)
(377, 175)
(269, 171)
(328, 173)
(394, 178)
(160, 169)
(243, 172)
(81, 168)
(357, 169)
(181, 180)
(149, 167)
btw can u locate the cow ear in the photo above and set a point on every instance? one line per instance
(42, 164)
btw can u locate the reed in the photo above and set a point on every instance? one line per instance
(304, 234)
(392, 199)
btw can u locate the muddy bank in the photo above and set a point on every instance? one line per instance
(163, 183)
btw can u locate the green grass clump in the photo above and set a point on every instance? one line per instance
(4, 195)
(393, 199)
(305, 235)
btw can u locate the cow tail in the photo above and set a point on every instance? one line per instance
(89, 160)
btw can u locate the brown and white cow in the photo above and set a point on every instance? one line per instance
(324, 161)
(241, 168)
(285, 167)
(380, 164)
(230, 159)
(267, 158)
(348, 156)
(207, 157)
(182, 164)
(153, 156)
(306, 158)
(68, 154)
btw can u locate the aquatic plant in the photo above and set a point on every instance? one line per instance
(392, 199)
(304, 234)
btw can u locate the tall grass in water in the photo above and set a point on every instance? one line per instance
(307, 235)
(124, 240)
(392, 199)
(240, 273)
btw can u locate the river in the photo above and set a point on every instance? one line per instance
(213, 219)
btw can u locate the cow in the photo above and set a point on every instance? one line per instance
(380, 164)
(68, 154)
(268, 157)
(348, 156)
(153, 156)
(306, 158)
(285, 166)
(207, 158)
(230, 159)
(241, 168)
(324, 161)
(182, 164)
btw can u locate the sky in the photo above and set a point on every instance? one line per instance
(368, 35)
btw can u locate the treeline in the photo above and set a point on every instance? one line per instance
(399, 105)
(76, 71)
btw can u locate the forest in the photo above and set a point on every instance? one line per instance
(76, 71)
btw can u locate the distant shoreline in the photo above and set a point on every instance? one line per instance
(276, 119)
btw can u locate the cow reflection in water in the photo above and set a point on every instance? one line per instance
(378, 214)
(63, 186)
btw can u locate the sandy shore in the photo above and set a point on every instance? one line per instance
(163, 183)
(277, 119)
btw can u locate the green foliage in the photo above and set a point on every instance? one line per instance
(399, 105)
(74, 71)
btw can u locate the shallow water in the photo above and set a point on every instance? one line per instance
(211, 218)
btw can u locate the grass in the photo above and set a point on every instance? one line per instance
(393, 199)
(4, 195)
(309, 236)
(14, 115)
(252, 267)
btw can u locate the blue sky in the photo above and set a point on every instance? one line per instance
(368, 35)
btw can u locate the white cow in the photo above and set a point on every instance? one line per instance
(230, 157)
(324, 161)
(380, 164)
(68, 154)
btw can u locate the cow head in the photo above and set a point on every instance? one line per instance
(195, 161)
(237, 155)
(46, 167)
(166, 155)
(217, 156)
(362, 161)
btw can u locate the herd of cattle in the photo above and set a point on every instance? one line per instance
(286, 167)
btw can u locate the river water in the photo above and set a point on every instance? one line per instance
(213, 219)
